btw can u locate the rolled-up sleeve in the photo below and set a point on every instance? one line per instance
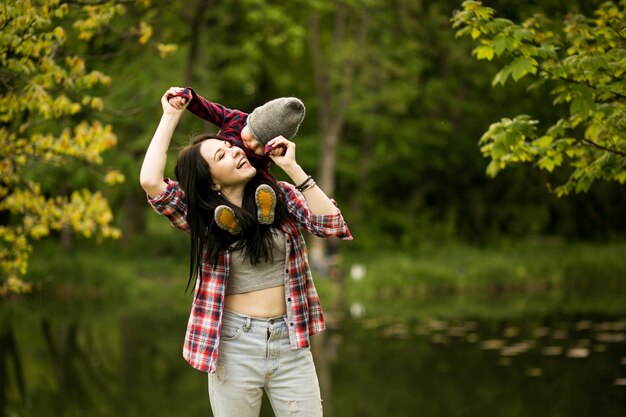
(172, 203)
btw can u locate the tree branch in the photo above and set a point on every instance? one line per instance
(604, 148)
(8, 18)
(96, 2)
(586, 83)
(616, 30)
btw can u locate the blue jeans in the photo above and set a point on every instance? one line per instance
(255, 355)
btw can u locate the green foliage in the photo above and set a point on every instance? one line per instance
(401, 278)
(583, 60)
(408, 173)
(408, 170)
(48, 101)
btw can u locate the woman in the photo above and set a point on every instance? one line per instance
(255, 304)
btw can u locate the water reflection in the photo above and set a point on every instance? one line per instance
(573, 340)
(437, 367)
(110, 366)
(129, 364)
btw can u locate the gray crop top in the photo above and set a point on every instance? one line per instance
(245, 277)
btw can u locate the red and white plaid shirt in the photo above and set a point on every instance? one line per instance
(304, 311)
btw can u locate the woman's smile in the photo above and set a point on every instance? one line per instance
(242, 162)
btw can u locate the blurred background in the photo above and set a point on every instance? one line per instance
(461, 294)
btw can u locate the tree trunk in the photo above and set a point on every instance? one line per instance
(66, 234)
(328, 159)
(197, 26)
(331, 119)
(134, 214)
(9, 352)
(333, 102)
(326, 181)
(369, 138)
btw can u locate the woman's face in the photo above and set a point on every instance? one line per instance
(228, 164)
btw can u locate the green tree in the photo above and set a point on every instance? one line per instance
(48, 106)
(403, 94)
(582, 60)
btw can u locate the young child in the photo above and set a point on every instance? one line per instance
(251, 132)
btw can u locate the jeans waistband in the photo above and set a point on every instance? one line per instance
(253, 321)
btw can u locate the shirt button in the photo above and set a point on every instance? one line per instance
(291, 324)
(289, 299)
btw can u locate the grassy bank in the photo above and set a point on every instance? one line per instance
(519, 266)
(152, 270)
(498, 281)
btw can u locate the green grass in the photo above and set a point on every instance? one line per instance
(151, 270)
(517, 266)
(458, 280)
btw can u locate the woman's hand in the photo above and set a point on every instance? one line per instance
(283, 153)
(317, 201)
(173, 104)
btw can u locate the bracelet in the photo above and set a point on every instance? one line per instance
(305, 184)
(299, 187)
(308, 187)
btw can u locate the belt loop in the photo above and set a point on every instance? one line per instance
(247, 324)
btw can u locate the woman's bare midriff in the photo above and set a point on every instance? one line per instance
(269, 302)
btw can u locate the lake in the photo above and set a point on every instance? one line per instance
(549, 354)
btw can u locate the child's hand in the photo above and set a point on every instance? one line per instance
(179, 97)
(277, 150)
(286, 150)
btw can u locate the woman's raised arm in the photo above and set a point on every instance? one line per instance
(317, 200)
(153, 167)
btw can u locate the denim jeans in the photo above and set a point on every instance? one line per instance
(255, 355)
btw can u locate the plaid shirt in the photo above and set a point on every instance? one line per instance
(304, 311)
(230, 121)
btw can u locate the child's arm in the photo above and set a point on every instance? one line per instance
(230, 121)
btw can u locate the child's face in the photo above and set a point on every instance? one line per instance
(250, 142)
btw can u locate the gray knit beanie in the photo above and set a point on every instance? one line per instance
(279, 117)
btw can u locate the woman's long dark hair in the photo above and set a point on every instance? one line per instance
(207, 239)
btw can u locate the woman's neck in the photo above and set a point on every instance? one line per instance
(234, 196)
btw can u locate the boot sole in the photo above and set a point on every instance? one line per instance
(266, 204)
(226, 219)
